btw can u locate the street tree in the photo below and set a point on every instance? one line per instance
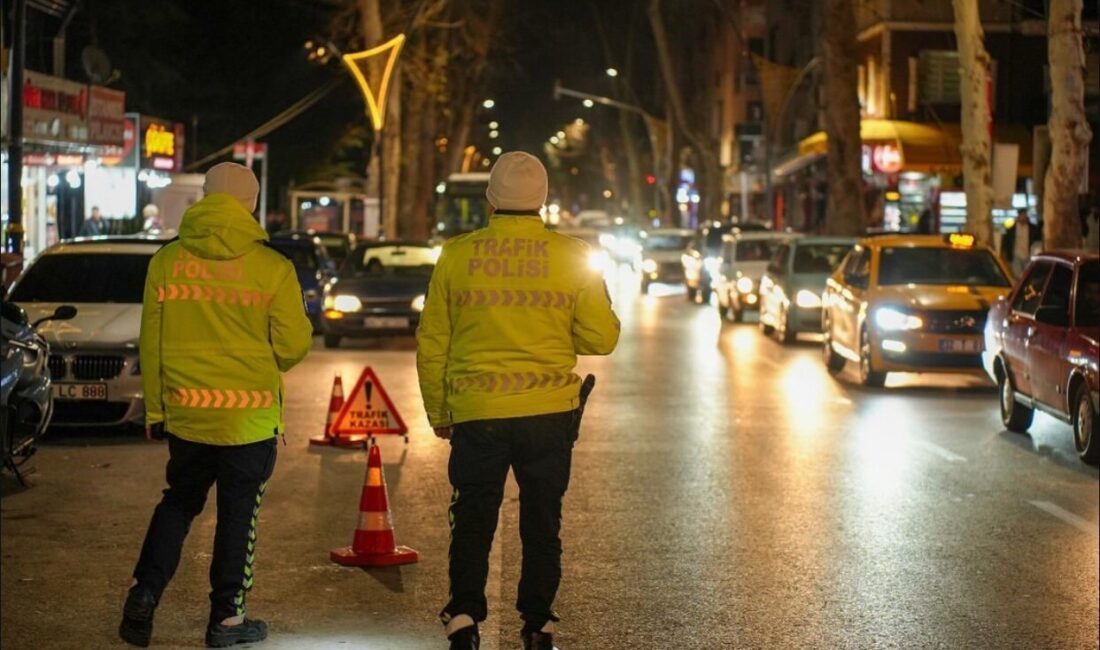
(1069, 129)
(844, 202)
(685, 45)
(976, 147)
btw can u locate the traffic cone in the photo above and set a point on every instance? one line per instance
(335, 403)
(373, 543)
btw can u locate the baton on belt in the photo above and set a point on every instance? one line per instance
(586, 389)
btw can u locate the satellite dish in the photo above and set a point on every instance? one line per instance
(96, 65)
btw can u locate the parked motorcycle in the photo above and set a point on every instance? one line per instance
(26, 398)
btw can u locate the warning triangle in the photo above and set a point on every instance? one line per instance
(368, 410)
(375, 88)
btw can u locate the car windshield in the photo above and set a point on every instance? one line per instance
(84, 277)
(755, 250)
(664, 242)
(819, 258)
(392, 260)
(300, 252)
(1088, 295)
(941, 266)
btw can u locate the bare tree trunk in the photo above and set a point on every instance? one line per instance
(844, 200)
(976, 148)
(709, 174)
(373, 29)
(413, 184)
(1069, 130)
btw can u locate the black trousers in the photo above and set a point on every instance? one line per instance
(241, 474)
(539, 450)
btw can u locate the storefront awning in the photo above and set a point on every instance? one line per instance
(928, 148)
(794, 163)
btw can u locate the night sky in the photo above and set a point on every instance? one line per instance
(234, 64)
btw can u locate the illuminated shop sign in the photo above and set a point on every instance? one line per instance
(882, 158)
(54, 109)
(161, 145)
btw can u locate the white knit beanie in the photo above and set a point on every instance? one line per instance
(517, 182)
(233, 179)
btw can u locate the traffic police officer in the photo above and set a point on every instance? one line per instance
(222, 318)
(508, 310)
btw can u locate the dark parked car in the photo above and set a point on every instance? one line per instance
(1041, 346)
(338, 245)
(315, 268)
(380, 291)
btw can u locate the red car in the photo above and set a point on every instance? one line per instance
(1041, 346)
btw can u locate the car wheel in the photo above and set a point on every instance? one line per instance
(332, 341)
(834, 363)
(783, 332)
(1086, 428)
(1014, 415)
(868, 376)
(766, 329)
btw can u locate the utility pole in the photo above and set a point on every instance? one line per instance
(14, 236)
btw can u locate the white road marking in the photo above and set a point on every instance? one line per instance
(1081, 524)
(943, 453)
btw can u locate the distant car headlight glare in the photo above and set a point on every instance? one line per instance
(892, 320)
(418, 302)
(711, 265)
(598, 260)
(744, 285)
(649, 266)
(807, 299)
(346, 303)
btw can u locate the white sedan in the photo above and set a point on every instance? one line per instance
(94, 357)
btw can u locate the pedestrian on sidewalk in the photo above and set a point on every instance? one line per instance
(222, 318)
(508, 310)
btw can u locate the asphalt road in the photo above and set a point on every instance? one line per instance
(727, 493)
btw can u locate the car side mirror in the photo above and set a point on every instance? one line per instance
(1051, 315)
(64, 312)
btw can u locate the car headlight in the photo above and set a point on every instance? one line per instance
(890, 319)
(744, 285)
(807, 299)
(711, 265)
(418, 302)
(343, 303)
(649, 266)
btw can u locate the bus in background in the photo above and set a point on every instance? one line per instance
(460, 204)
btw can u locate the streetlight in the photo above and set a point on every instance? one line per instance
(494, 125)
(497, 151)
(588, 103)
(488, 103)
(554, 139)
(493, 134)
(612, 72)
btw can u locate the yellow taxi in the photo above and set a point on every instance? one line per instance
(911, 303)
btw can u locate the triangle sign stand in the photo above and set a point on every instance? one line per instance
(359, 64)
(368, 411)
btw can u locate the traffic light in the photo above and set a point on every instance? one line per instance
(650, 179)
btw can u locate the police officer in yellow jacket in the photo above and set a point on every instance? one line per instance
(508, 310)
(222, 318)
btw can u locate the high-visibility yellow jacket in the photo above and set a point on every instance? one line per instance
(508, 310)
(222, 318)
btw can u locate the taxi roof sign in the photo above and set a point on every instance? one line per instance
(368, 410)
(960, 240)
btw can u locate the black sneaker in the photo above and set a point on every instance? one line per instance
(223, 636)
(465, 639)
(538, 641)
(136, 627)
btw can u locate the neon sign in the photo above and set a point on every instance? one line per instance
(159, 141)
(357, 63)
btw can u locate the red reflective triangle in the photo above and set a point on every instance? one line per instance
(376, 416)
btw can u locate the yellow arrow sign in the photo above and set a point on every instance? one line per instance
(358, 63)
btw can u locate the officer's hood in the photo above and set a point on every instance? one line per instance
(220, 228)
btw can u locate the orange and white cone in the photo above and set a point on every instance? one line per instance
(373, 543)
(335, 403)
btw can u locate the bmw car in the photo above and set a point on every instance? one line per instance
(380, 291)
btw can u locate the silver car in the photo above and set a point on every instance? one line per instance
(93, 357)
